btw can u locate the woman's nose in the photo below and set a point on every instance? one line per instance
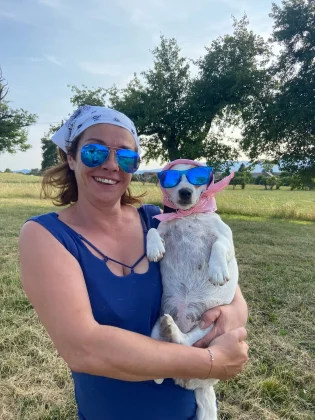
(111, 161)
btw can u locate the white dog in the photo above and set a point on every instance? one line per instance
(198, 267)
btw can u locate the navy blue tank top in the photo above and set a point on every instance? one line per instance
(131, 302)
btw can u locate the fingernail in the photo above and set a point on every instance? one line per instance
(202, 324)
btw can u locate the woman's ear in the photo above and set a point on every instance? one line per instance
(71, 162)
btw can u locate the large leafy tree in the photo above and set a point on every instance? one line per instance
(159, 104)
(175, 112)
(86, 96)
(280, 122)
(13, 123)
(179, 115)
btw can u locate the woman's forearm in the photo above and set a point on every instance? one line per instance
(129, 356)
(242, 305)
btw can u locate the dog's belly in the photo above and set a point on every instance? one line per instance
(187, 292)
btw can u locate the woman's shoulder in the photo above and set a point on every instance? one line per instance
(151, 208)
(148, 211)
(43, 217)
(48, 226)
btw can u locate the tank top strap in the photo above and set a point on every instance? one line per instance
(69, 237)
(106, 258)
(63, 233)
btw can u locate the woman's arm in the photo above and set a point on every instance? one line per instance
(226, 318)
(53, 282)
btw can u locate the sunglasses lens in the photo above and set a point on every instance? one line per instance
(93, 155)
(128, 160)
(200, 175)
(169, 179)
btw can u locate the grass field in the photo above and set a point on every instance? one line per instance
(252, 201)
(274, 234)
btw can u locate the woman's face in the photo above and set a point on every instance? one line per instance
(105, 183)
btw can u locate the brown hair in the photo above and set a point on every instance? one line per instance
(60, 185)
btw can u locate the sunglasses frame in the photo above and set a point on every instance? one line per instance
(103, 148)
(186, 172)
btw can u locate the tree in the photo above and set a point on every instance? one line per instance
(267, 166)
(49, 149)
(13, 123)
(280, 121)
(243, 176)
(8, 171)
(86, 96)
(235, 181)
(35, 172)
(159, 105)
(259, 179)
(272, 181)
(176, 113)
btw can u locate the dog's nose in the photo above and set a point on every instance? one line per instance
(185, 193)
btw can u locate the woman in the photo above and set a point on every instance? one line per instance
(85, 272)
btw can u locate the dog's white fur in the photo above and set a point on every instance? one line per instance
(199, 271)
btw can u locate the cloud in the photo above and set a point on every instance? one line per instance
(53, 4)
(7, 15)
(53, 59)
(99, 68)
(36, 59)
(46, 57)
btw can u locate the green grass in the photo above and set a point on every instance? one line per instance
(252, 201)
(277, 276)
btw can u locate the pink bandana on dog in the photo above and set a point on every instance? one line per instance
(206, 203)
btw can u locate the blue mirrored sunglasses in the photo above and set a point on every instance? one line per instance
(93, 155)
(200, 175)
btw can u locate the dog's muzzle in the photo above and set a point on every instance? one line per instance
(185, 195)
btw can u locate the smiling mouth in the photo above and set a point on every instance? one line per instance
(105, 181)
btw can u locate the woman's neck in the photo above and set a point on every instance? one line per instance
(94, 216)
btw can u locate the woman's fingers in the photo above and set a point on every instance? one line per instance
(239, 333)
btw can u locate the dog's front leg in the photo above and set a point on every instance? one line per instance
(155, 246)
(221, 252)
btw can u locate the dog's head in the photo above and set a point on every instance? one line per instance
(185, 195)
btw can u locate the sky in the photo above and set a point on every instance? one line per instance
(46, 45)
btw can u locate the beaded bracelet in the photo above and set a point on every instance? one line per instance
(212, 359)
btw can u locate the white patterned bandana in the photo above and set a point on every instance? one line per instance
(85, 117)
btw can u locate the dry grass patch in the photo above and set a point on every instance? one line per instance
(277, 276)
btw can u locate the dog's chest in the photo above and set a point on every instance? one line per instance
(189, 239)
(184, 268)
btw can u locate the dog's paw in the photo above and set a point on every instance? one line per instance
(188, 383)
(170, 330)
(219, 274)
(155, 250)
(181, 382)
(155, 246)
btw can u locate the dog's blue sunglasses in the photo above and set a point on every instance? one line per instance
(93, 155)
(199, 175)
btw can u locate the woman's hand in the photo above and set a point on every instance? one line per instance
(230, 353)
(225, 317)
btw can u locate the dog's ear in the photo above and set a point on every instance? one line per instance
(168, 210)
